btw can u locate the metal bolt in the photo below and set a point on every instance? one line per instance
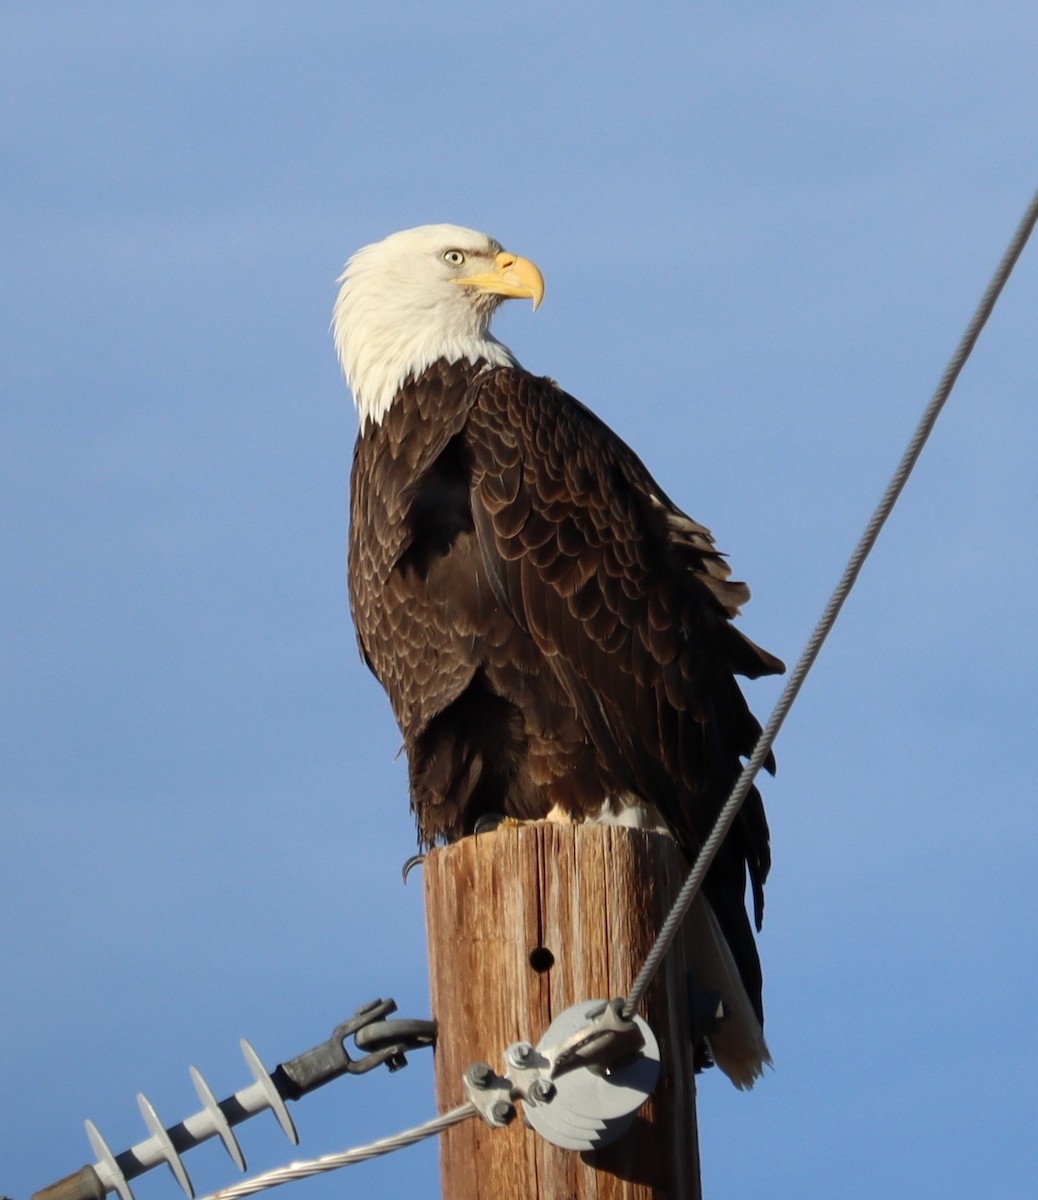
(541, 1091)
(479, 1075)
(502, 1112)
(518, 1055)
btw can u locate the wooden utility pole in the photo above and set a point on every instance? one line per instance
(523, 923)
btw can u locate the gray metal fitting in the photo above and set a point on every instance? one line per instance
(518, 1054)
(489, 1093)
(502, 1112)
(480, 1075)
(588, 1107)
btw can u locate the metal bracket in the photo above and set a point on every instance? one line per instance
(491, 1094)
(581, 1085)
(604, 1043)
(385, 1041)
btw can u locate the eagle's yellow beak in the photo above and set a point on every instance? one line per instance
(512, 276)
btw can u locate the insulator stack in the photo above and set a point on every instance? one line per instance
(214, 1120)
(386, 1043)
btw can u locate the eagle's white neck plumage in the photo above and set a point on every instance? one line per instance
(398, 312)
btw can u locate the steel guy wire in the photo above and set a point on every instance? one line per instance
(345, 1158)
(729, 811)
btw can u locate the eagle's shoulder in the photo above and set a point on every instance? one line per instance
(571, 458)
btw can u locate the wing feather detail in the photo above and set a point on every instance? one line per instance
(630, 602)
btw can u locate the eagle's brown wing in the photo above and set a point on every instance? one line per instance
(629, 601)
(416, 647)
(486, 727)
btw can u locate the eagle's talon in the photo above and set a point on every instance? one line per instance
(415, 860)
(488, 822)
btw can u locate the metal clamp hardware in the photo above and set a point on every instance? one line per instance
(581, 1085)
(385, 1041)
(490, 1094)
(605, 1042)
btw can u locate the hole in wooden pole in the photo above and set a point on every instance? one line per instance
(541, 959)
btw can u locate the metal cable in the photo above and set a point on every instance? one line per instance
(728, 813)
(345, 1158)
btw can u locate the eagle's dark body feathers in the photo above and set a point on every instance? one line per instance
(550, 629)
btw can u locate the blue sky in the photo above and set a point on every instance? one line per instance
(763, 227)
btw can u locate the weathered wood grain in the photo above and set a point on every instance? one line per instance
(593, 897)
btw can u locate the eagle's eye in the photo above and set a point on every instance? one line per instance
(454, 257)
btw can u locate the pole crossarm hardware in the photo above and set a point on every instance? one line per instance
(382, 1042)
(580, 1088)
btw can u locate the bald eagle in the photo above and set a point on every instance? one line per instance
(554, 634)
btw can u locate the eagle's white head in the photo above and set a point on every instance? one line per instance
(418, 296)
